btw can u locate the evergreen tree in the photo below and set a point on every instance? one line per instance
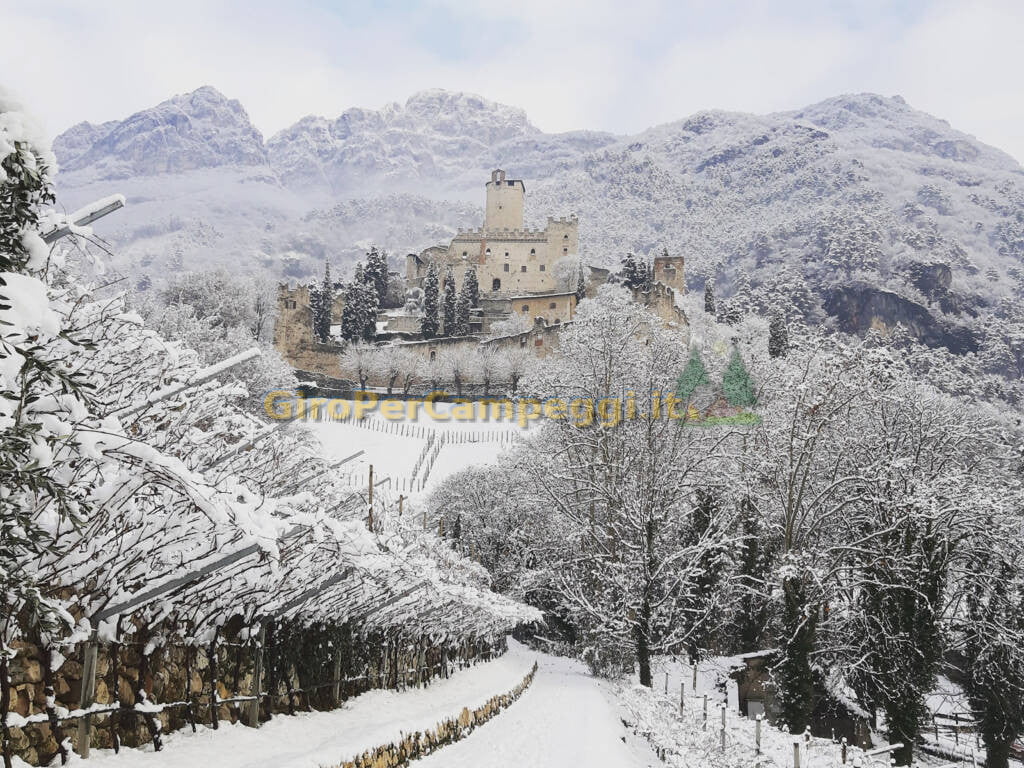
(753, 607)
(376, 272)
(709, 297)
(581, 283)
(359, 317)
(701, 603)
(736, 384)
(792, 673)
(693, 377)
(462, 308)
(471, 286)
(322, 303)
(449, 308)
(636, 273)
(429, 325)
(778, 337)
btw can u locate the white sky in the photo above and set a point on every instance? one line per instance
(603, 64)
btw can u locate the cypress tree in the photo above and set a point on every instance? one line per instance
(462, 307)
(322, 307)
(376, 272)
(359, 318)
(471, 286)
(736, 384)
(581, 284)
(778, 337)
(429, 323)
(450, 318)
(709, 296)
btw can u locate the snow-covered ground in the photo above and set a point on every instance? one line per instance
(393, 447)
(310, 740)
(565, 718)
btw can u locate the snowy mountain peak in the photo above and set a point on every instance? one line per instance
(201, 129)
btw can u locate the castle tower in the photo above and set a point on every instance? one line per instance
(504, 202)
(670, 271)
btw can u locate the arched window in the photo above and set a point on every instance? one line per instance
(487, 252)
(565, 237)
(533, 251)
(496, 284)
(433, 355)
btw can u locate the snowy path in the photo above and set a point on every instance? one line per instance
(564, 719)
(314, 739)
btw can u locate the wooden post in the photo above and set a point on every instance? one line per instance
(682, 696)
(796, 753)
(843, 750)
(695, 678)
(757, 733)
(212, 661)
(666, 683)
(704, 724)
(371, 487)
(956, 728)
(88, 695)
(724, 707)
(257, 677)
(336, 688)
(401, 498)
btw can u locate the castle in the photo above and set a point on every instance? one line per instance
(517, 276)
(515, 265)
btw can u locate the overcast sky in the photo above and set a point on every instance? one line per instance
(616, 65)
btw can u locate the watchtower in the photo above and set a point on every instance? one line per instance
(504, 202)
(670, 270)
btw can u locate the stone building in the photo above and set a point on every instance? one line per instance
(513, 263)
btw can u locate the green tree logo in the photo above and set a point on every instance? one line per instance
(693, 377)
(736, 384)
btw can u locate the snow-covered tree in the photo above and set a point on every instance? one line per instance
(449, 307)
(430, 324)
(359, 315)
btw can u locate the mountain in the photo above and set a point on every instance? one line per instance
(880, 212)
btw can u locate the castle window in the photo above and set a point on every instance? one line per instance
(465, 254)
(522, 268)
(565, 251)
(487, 252)
(551, 305)
(526, 307)
(506, 254)
(565, 237)
(533, 251)
(433, 355)
(543, 268)
(506, 267)
(522, 342)
(290, 304)
(496, 284)
(538, 342)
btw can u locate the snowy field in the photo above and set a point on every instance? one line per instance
(394, 447)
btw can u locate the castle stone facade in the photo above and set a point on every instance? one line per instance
(513, 263)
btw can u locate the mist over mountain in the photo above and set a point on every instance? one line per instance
(880, 212)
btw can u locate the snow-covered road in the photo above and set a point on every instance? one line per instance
(563, 719)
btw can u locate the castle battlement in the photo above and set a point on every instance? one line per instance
(502, 233)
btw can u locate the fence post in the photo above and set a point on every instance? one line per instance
(724, 707)
(88, 695)
(694, 678)
(843, 750)
(257, 677)
(336, 688)
(704, 725)
(757, 733)
(666, 683)
(682, 696)
(796, 753)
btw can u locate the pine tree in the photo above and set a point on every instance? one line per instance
(322, 304)
(778, 337)
(581, 283)
(792, 672)
(376, 272)
(359, 317)
(450, 319)
(693, 377)
(736, 384)
(429, 325)
(471, 286)
(636, 273)
(709, 297)
(462, 309)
